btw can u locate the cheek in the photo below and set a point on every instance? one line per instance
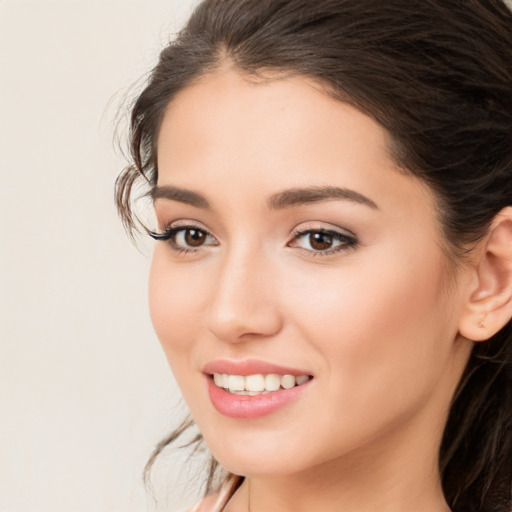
(175, 295)
(378, 327)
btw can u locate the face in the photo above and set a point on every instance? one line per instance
(292, 245)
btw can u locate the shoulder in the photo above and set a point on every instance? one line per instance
(217, 501)
(206, 504)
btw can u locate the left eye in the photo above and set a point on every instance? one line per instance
(190, 237)
(323, 241)
(185, 237)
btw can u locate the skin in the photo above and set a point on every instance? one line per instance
(376, 324)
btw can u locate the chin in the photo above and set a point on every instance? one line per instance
(254, 453)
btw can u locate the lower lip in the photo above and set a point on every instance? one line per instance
(251, 407)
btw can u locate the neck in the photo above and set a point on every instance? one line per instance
(354, 491)
(395, 475)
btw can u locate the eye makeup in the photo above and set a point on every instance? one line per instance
(321, 241)
(315, 241)
(185, 238)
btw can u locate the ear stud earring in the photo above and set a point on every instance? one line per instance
(481, 324)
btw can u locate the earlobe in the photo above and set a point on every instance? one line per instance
(489, 304)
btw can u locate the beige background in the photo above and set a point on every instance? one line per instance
(85, 390)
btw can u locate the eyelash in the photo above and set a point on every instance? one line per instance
(347, 241)
(169, 234)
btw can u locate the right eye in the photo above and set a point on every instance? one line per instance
(185, 238)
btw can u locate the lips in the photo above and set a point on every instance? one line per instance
(234, 391)
(250, 367)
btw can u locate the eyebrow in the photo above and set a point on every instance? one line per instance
(300, 196)
(182, 195)
(285, 199)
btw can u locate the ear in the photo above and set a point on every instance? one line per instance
(489, 303)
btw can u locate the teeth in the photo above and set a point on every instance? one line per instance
(272, 382)
(236, 383)
(301, 379)
(249, 393)
(287, 381)
(257, 384)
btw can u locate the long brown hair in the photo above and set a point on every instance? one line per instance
(437, 75)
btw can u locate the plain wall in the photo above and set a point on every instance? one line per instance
(85, 389)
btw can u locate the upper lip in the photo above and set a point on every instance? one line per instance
(249, 367)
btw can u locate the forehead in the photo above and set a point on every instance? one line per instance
(226, 119)
(230, 137)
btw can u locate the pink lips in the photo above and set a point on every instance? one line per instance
(245, 406)
(249, 367)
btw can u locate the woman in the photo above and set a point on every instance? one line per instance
(332, 278)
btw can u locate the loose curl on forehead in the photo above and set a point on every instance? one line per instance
(437, 76)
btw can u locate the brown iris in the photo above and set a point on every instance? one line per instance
(320, 241)
(194, 237)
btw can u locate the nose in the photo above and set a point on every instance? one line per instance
(244, 302)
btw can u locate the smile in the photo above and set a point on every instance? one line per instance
(257, 384)
(251, 388)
